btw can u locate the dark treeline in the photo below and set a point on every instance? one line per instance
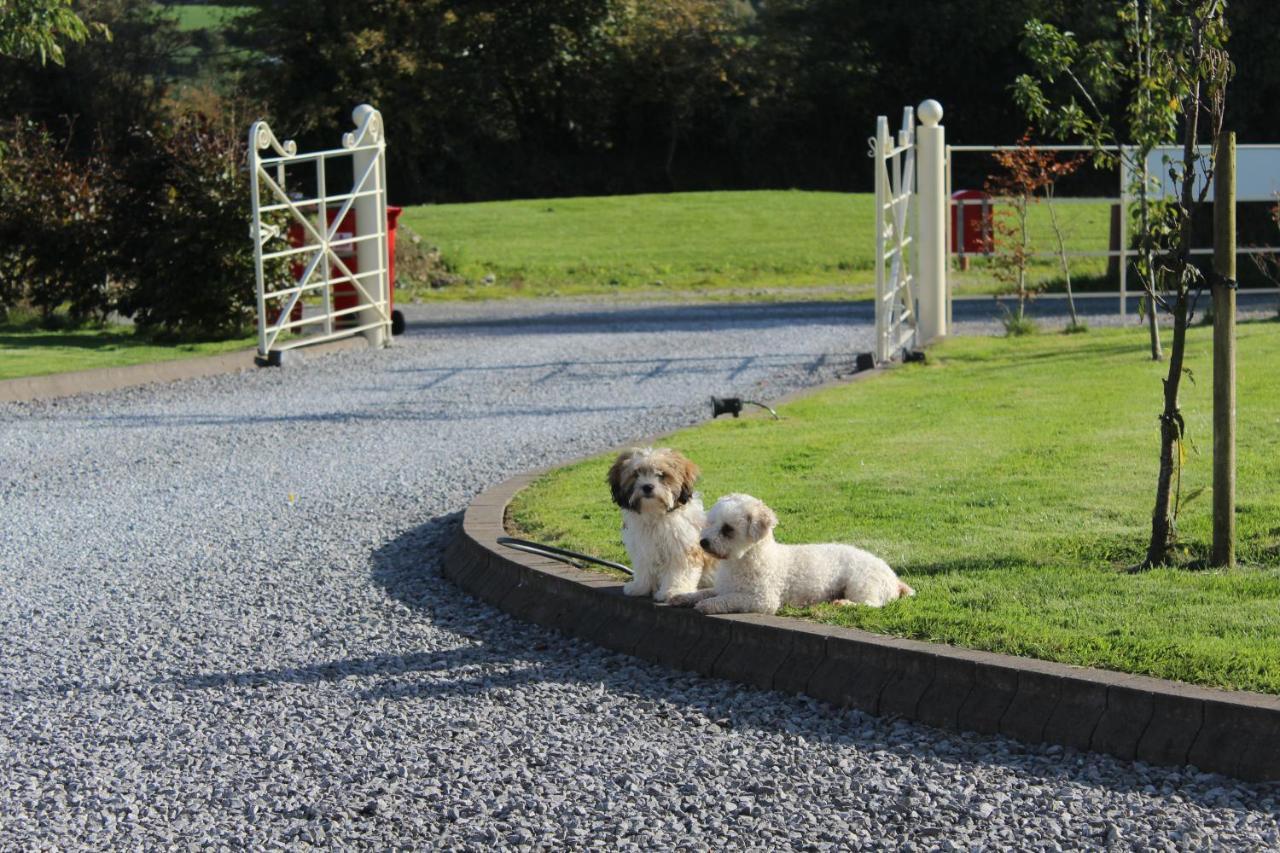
(563, 97)
(489, 99)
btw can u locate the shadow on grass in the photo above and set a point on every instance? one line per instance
(1102, 557)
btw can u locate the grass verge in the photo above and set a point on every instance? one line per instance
(1011, 482)
(26, 351)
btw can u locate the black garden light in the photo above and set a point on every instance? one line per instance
(733, 406)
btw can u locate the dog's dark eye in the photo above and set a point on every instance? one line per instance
(726, 531)
(662, 475)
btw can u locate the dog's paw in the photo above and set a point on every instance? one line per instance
(684, 599)
(660, 595)
(634, 588)
(706, 606)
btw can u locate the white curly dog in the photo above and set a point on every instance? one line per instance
(758, 574)
(662, 519)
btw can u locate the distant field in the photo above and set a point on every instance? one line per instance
(205, 17)
(714, 243)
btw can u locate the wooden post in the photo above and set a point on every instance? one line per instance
(1224, 351)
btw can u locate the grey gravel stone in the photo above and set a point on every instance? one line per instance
(222, 625)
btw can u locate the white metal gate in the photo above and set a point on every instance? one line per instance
(319, 245)
(895, 178)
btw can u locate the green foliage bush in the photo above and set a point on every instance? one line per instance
(182, 222)
(120, 192)
(56, 246)
(160, 235)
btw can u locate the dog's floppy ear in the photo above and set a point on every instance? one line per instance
(689, 474)
(760, 520)
(618, 473)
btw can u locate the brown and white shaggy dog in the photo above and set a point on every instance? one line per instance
(662, 521)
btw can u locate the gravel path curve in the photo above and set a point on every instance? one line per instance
(221, 623)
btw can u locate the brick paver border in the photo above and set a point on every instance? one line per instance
(1129, 716)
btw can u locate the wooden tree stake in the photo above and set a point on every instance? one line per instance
(1224, 351)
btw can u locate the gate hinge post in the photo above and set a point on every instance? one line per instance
(931, 213)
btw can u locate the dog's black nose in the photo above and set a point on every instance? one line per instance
(705, 543)
(647, 488)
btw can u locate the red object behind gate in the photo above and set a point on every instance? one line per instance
(971, 231)
(345, 294)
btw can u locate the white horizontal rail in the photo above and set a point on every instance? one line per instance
(320, 339)
(315, 202)
(296, 159)
(1004, 199)
(307, 248)
(1116, 253)
(317, 318)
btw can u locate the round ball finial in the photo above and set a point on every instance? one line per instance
(930, 113)
(359, 114)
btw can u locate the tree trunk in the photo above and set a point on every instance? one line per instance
(1172, 427)
(1171, 433)
(671, 149)
(1153, 326)
(1062, 254)
(1149, 274)
(1149, 279)
(1022, 262)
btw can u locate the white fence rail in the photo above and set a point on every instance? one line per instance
(1260, 183)
(347, 271)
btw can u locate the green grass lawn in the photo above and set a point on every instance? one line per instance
(768, 244)
(33, 352)
(1011, 482)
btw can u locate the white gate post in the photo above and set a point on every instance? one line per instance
(931, 234)
(371, 221)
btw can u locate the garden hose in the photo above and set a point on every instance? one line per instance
(562, 554)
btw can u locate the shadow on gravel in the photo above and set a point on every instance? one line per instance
(727, 367)
(441, 414)
(719, 317)
(714, 317)
(507, 654)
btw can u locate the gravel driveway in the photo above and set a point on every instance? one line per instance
(221, 622)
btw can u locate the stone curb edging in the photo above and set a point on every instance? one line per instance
(28, 388)
(1129, 716)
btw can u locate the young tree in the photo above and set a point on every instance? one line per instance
(1088, 77)
(1055, 169)
(1014, 189)
(1027, 174)
(1179, 84)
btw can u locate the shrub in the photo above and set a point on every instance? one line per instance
(182, 220)
(56, 236)
(1018, 324)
